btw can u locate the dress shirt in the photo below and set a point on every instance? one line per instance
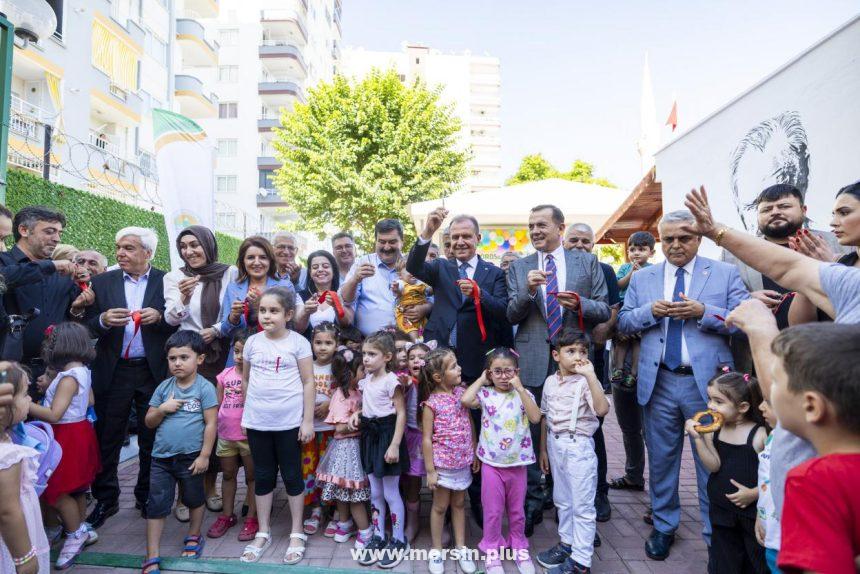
(189, 316)
(134, 291)
(374, 301)
(668, 293)
(560, 270)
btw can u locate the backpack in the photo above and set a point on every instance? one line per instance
(40, 436)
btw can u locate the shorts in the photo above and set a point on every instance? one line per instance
(163, 475)
(226, 448)
(455, 478)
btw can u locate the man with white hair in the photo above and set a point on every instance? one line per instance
(286, 249)
(679, 307)
(127, 317)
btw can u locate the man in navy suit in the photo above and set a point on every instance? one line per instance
(679, 306)
(453, 321)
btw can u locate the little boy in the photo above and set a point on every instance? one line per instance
(571, 402)
(815, 393)
(184, 408)
(640, 248)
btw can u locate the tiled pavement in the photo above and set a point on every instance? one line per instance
(622, 550)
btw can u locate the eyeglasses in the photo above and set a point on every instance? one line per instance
(503, 372)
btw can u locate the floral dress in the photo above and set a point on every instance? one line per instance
(505, 439)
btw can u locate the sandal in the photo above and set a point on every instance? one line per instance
(194, 545)
(311, 525)
(252, 553)
(249, 530)
(151, 562)
(299, 551)
(623, 483)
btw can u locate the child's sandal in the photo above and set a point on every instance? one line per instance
(252, 553)
(149, 563)
(299, 551)
(194, 545)
(312, 524)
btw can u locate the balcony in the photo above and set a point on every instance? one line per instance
(199, 9)
(271, 198)
(268, 124)
(197, 50)
(28, 120)
(112, 104)
(281, 58)
(194, 100)
(279, 92)
(268, 162)
(284, 23)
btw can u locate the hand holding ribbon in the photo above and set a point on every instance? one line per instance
(332, 298)
(135, 317)
(476, 297)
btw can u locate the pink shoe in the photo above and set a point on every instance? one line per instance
(330, 529)
(221, 526)
(249, 530)
(344, 533)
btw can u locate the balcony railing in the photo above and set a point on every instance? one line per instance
(100, 141)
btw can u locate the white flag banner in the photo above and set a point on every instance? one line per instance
(186, 166)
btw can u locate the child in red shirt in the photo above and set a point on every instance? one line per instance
(819, 401)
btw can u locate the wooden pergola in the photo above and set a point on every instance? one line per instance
(641, 211)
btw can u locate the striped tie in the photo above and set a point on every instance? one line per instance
(553, 309)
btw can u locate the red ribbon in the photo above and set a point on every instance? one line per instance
(246, 313)
(476, 296)
(784, 298)
(335, 301)
(135, 316)
(83, 285)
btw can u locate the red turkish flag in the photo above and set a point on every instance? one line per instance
(673, 116)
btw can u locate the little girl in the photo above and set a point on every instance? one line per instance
(340, 473)
(731, 456)
(409, 291)
(23, 545)
(383, 451)
(505, 449)
(324, 345)
(767, 524)
(66, 349)
(412, 481)
(278, 384)
(232, 446)
(449, 448)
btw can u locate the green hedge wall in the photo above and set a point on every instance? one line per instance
(93, 220)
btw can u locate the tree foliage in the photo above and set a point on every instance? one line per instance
(360, 151)
(535, 168)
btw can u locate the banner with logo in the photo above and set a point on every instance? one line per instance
(186, 167)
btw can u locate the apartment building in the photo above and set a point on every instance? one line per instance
(472, 84)
(271, 52)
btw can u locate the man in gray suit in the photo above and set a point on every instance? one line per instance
(548, 290)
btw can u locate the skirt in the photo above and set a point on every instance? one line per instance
(312, 452)
(376, 435)
(340, 473)
(414, 440)
(80, 462)
(455, 478)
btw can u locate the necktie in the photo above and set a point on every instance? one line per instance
(674, 332)
(462, 272)
(553, 309)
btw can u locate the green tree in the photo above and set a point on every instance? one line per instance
(535, 168)
(360, 151)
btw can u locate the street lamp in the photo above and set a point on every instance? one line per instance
(30, 20)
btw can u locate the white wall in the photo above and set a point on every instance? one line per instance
(822, 90)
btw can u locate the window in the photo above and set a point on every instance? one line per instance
(57, 5)
(156, 49)
(228, 110)
(225, 221)
(266, 177)
(228, 37)
(225, 184)
(229, 74)
(227, 148)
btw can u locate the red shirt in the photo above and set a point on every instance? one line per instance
(821, 515)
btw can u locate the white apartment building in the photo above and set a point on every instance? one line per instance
(271, 52)
(471, 83)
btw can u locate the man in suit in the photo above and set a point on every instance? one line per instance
(548, 290)
(453, 320)
(678, 306)
(130, 361)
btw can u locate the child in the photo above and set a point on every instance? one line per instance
(767, 521)
(640, 248)
(383, 451)
(184, 409)
(350, 338)
(232, 446)
(815, 393)
(505, 449)
(324, 344)
(66, 349)
(278, 383)
(340, 472)
(572, 401)
(731, 456)
(449, 448)
(412, 481)
(23, 545)
(409, 291)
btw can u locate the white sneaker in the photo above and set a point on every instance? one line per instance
(92, 535)
(526, 567)
(467, 565)
(71, 548)
(182, 513)
(435, 563)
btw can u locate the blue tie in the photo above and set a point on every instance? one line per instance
(452, 340)
(674, 332)
(553, 309)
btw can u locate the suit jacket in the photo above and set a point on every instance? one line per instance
(450, 308)
(718, 286)
(584, 276)
(109, 290)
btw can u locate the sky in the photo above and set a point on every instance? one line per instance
(572, 70)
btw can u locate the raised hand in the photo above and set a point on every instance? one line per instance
(812, 245)
(535, 279)
(697, 203)
(434, 222)
(186, 287)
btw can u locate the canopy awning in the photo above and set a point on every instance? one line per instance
(641, 211)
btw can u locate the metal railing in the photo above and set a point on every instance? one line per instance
(100, 141)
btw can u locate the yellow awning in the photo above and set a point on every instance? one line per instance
(114, 56)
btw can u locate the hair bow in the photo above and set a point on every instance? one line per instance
(432, 344)
(348, 355)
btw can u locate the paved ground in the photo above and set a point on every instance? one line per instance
(622, 550)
